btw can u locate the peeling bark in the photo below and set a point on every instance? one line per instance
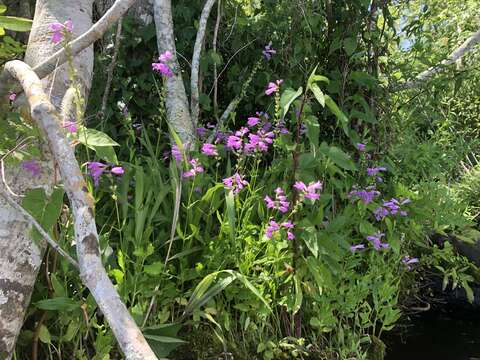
(92, 272)
(20, 255)
(178, 114)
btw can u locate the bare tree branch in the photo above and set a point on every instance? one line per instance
(37, 226)
(178, 112)
(197, 51)
(80, 43)
(92, 272)
(426, 75)
(215, 71)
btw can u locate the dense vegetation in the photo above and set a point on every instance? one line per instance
(302, 225)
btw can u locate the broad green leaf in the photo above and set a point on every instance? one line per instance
(154, 269)
(94, 138)
(350, 44)
(44, 335)
(313, 130)
(342, 118)
(298, 294)
(15, 23)
(339, 157)
(58, 304)
(318, 94)
(230, 200)
(288, 97)
(3, 8)
(309, 236)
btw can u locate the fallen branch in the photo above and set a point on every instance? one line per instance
(197, 51)
(92, 272)
(37, 226)
(96, 32)
(426, 75)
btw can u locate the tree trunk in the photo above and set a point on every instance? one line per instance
(178, 113)
(20, 255)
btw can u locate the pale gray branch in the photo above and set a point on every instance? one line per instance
(37, 226)
(92, 272)
(197, 51)
(80, 43)
(426, 75)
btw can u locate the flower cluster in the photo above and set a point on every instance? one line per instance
(209, 149)
(196, 168)
(308, 191)
(376, 241)
(96, 170)
(367, 195)
(268, 51)
(280, 203)
(162, 66)
(273, 228)
(391, 207)
(273, 87)
(59, 30)
(249, 142)
(235, 183)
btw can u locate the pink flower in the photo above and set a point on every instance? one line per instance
(259, 141)
(96, 170)
(234, 142)
(32, 167)
(235, 183)
(59, 30)
(196, 169)
(252, 121)
(273, 87)
(310, 191)
(117, 170)
(272, 228)
(209, 150)
(70, 126)
(165, 57)
(163, 69)
(12, 96)
(280, 203)
(176, 153)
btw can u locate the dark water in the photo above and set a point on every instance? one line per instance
(439, 335)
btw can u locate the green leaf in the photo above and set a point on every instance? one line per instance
(349, 44)
(154, 269)
(230, 200)
(319, 95)
(288, 97)
(94, 138)
(338, 157)
(44, 335)
(3, 8)
(310, 238)
(342, 118)
(313, 129)
(298, 294)
(58, 304)
(165, 339)
(15, 23)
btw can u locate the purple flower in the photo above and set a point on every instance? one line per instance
(176, 153)
(259, 141)
(196, 169)
(234, 142)
(201, 131)
(374, 171)
(273, 227)
(117, 170)
(408, 261)
(268, 51)
(163, 69)
(59, 30)
(252, 121)
(70, 126)
(273, 87)
(235, 183)
(367, 195)
(361, 147)
(380, 213)
(391, 207)
(209, 150)
(376, 240)
(96, 170)
(12, 96)
(280, 203)
(32, 167)
(165, 57)
(354, 248)
(309, 191)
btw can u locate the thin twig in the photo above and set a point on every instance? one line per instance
(37, 226)
(111, 68)
(229, 61)
(215, 72)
